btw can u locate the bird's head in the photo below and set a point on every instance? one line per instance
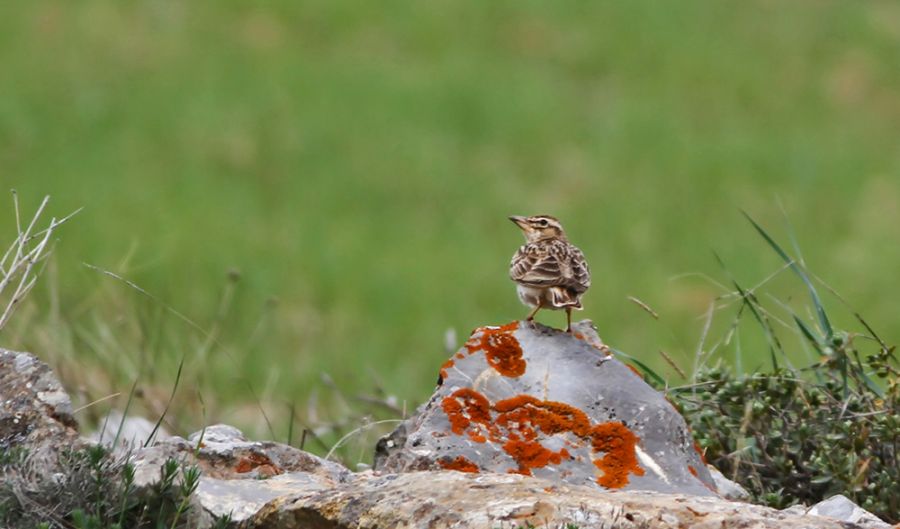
(539, 227)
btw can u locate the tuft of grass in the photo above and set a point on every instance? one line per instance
(23, 260)
(91, 488)
(800, 435)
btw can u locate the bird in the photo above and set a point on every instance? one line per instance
(549, 271)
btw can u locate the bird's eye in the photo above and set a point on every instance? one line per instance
(542, 223)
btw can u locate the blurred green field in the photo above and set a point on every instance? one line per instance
(356, 162)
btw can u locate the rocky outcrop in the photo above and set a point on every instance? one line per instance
(540, 402)
(271, 485)
(35, 410)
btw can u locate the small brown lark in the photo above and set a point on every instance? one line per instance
(550, 272)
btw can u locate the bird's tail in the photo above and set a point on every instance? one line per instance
(562, 297)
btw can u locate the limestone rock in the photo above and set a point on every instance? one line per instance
(842, 508)
(441, 499)
(538, 401)
(128, 432)
(726, 488)
(35, 411)
(226, 454)
(240, 499)
(238, 476)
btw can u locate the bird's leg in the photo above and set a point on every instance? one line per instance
(530, 318)
(569, 320)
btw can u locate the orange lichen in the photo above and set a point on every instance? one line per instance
(477, 437)
(464, 407)
(460, 464)
(700, 452)
(551, 417)
(504, 354)
(259, 462)
(531, 454)
(634, 370)
(517, 423)
(244, 466)
(692, 470)
(501, 349)
(620, 459)
(444, 367)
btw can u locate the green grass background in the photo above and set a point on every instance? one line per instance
(356, 162)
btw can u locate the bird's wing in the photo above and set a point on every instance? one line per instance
(580, 272)
(534, 266)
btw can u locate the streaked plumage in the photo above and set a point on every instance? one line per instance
(549, 271)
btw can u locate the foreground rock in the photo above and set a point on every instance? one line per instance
(540, 402)
(439, 499)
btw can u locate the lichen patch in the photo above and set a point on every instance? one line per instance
(519, 424)
(501, 349)
(460, 464)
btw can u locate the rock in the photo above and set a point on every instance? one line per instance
(230, 456)
(238, 476)
(218, 434)
(132, 432)
(842, 508)
(541, 402)
(35, 411)
(240, 499)
(726, 488)
(433, 499)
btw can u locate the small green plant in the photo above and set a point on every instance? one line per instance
(91, 488)
(800, 435)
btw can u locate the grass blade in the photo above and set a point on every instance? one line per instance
(169, 403)
(820, 310)
(644, 367)
(808, 333)
(749, 300)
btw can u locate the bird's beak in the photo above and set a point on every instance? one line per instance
(519, 220)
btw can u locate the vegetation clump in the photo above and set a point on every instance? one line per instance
(800, 435)
(91, 488)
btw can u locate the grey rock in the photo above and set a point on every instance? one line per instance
(438, 499)
(842, 508)
(226, 455)
(240, 499)
(541, 402)
(35, 411)
(726, 488)
(128, 432)
(218, 433)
